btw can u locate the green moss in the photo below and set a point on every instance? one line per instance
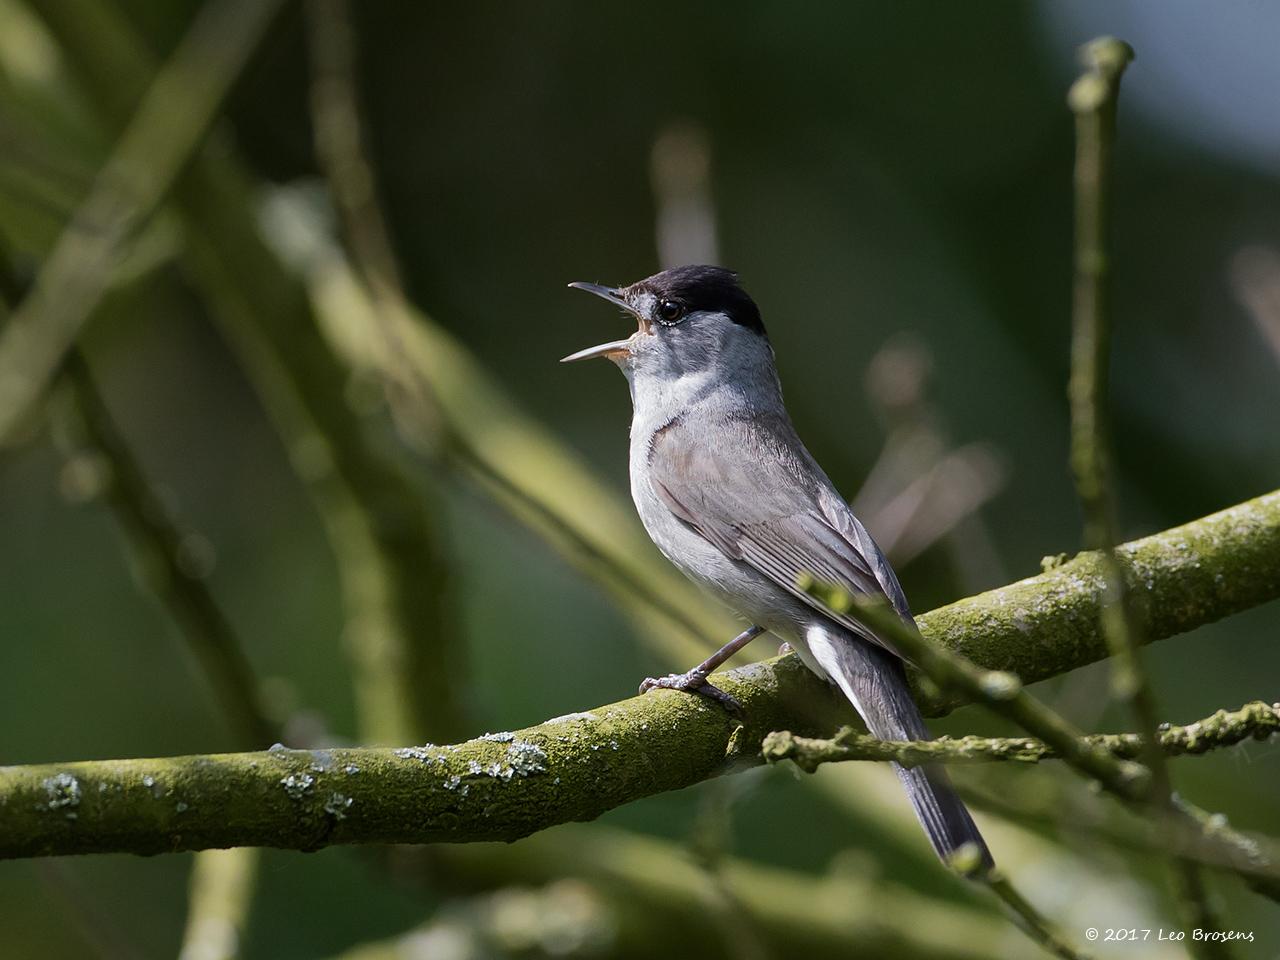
(508, 785)
(1182, 579)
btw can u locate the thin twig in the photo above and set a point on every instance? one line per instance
(998, 690)
(1256, 721)
(1252, 859)
(1004, 694)
(1028, 919)
(1093, 98)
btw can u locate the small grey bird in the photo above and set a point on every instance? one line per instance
(731, 496)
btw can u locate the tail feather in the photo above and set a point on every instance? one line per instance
(941, 812)
(876, 684)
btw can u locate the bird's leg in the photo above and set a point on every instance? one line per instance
(695, 681)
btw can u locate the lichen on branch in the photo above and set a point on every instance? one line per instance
(501, 787)
(1181, 578)
(1225, 728)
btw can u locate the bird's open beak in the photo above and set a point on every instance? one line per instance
(613, 349)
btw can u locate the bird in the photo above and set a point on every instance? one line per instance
(733, 499)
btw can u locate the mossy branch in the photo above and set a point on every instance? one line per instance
(1181, 578)
(1256, 721)
(577, 767)
(1003, 693)
(1000, 691)
(498, 787)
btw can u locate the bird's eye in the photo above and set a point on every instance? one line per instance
(670, 312)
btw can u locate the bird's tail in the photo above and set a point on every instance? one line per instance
(875, 682)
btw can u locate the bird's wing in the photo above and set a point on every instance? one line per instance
(758, 497)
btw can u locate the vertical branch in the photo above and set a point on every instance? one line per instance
(222, 883)
(1093, 98)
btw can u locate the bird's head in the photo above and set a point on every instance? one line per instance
(691, 319)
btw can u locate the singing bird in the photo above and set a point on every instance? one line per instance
(730, 495)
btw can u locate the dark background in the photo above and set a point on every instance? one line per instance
(877, 171)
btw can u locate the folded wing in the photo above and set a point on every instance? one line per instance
(759, 497)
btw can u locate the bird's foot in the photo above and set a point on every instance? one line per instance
(695, 681)
(784, 648)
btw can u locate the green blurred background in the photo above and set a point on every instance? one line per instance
(882, 176)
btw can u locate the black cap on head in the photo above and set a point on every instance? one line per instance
(702, 287)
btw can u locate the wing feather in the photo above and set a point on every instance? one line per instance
(759, 497)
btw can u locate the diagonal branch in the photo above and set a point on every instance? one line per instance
(169, 125)
(505, 786)
(384, 532)
(160, 548)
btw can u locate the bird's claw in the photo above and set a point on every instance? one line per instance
(693, 682)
